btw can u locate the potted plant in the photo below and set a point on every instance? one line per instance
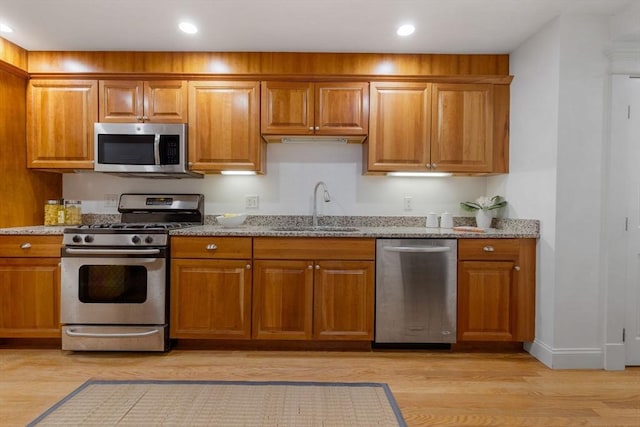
(482, 207)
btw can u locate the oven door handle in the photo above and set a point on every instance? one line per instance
(71, 333)
(112, 251)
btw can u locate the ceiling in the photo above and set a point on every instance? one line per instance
(442, 26)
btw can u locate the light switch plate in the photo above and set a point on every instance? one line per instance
(110, 200)
(251, 202)
(407, 203)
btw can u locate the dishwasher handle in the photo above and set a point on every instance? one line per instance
(417, 249)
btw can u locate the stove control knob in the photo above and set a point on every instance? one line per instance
(76, 239)
(135, 239)
(148, 240)
(88, 239)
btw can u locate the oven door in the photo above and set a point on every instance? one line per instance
(114, 286)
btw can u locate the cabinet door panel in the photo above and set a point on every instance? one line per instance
(399, 128)
(60, 118)
(342, 108)
(343, 300)
(165, 101)
(462, 128)
(210, 299)
(30, 297)
(286, 108)
(283, 300)
(224, 122)
(486, 301)
(121, 101)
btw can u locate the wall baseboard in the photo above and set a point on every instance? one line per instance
(567, 358)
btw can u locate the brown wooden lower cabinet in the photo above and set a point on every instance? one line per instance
(306, 289)
(30, 286)
(496, 289)
(321, 300)
(210, 299)
(210, 288)
(283, 299)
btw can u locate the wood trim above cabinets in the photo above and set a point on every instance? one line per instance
(211, 65)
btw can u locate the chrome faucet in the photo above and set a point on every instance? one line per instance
(326, 197)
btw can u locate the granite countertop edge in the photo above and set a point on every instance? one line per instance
(371, 227)
(370, 232)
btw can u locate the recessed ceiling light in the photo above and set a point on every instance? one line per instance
(5, 28)
(188, 27)
(405, 30)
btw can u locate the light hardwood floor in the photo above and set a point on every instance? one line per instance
(431, 387)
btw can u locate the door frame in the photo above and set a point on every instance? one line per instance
(615, 263)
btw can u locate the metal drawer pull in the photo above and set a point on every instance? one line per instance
(248, 266)
(488, 249)
(71, 333)
(516, 268)
(212, 247)
(417, 249)
(25, 246)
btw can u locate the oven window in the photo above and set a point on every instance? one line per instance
(115, 284)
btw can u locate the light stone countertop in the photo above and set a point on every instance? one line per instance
(372, 232)
(373, 227)
(36, 230)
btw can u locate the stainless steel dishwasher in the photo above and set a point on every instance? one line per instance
(416, 291)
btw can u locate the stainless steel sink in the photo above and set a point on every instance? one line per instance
(319, 228)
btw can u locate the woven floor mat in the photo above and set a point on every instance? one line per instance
(224, 403)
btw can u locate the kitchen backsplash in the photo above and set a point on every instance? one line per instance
(287, 187)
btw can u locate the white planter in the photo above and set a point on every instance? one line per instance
(483, 218)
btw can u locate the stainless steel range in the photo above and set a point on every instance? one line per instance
(115, 277)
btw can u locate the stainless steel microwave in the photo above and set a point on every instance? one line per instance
(148, 150)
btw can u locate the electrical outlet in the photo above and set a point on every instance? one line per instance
(408, 203)
(110, 200)
(251, 202)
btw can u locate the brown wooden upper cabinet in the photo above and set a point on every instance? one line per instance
(438, 127)
(224, 126)
(60, 118)
(132, 101)
(315, 109)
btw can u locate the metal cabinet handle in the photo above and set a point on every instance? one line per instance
(317, 127)
(310, 127)
(516, 268)
(428, 165)
(434, 165)
(488, 249)
(310, 267)
(25, 246)
(212, 247)
(248, 266)
(317, 267)
(145, 118)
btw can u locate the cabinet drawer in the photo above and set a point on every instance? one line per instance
(211, 247)
(30, 246)
(488, 249)
(316, 248)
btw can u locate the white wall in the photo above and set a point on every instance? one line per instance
(558, 146)
(287, 187)
(531, 184)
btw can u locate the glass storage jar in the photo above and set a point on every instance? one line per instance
(73, 212)
(54, 213)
